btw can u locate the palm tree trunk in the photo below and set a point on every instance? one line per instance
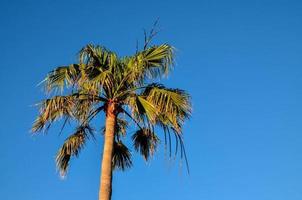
(106, 171)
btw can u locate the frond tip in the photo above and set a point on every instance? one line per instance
(62, 76)
(72, 147)
(150, 63)
(52, 109)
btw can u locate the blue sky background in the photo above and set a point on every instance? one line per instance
(240, 60)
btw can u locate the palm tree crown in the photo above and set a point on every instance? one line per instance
(103, 82)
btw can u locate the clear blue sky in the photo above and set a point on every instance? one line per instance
(240, 60)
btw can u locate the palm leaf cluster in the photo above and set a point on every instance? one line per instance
(79, 92)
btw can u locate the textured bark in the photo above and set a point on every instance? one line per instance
(106, 171)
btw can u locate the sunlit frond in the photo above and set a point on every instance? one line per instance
(141, 109)
(173, 104)
(98, 56)
(52, 109)
(72, 147)
(104, 69)
(121, 156)
(103, 80)
(62, 76)
(145, 142)
(153, 62)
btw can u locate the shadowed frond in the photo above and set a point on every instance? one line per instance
(145, 142)
(83, 107)
(72, 147)
(121, 156)
(121, 126)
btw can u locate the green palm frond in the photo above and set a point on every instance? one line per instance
(72, 147)
(153, 62)
(147, 108)
(121, 156)
(88, 87)
(142, 109)
(173, 104)
(52, 109)
(145, 142)
(86, 106)
(104, 69)
(62, 76)
(161, 105)
(102, 79)
(98, 56)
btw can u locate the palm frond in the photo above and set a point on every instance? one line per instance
(152, 62)
(82, 109)
(98, 56)
(179, 143)
(121, 126)
(141, 109)
(145, 142)
(102, 80)
(52, 109)
(72, 147)
(173, 104)
(104, 70)
(62, 76)
(84, 104)
(121, 156)
(137, 123)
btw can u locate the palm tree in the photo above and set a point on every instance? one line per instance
(122, 89)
